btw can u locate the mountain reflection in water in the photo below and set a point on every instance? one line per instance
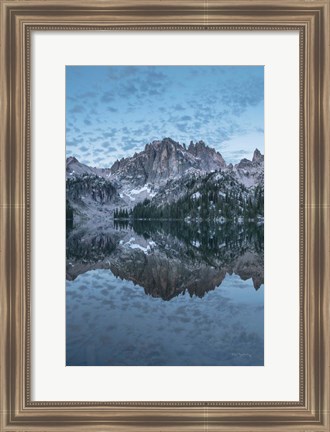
(165, 293)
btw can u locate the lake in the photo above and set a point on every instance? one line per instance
(153, 293)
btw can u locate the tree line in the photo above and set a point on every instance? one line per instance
(207, 204)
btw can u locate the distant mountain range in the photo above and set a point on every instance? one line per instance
(168, 180)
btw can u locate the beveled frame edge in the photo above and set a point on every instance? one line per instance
(18, 19)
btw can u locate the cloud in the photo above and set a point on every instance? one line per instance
(146, 129)
(154, 92)
(87, 95)
(128, 146)
(185, 118)
(99, 160)
(155, 76)
(239, 153)
(240, 94)
(178, 107)
(111, 109)
(127, 89)
(120, 73)
(77, 109)
(73, 142)
(106, 145)
(223, 134)
(182, 127)
(77, 130)
(126, 107)
(108, 96)
(96, 139)
(110, 134)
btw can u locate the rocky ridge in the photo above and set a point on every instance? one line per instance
(161, 171)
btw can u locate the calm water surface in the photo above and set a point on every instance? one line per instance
(151, 296)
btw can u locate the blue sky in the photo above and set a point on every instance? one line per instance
(113, 111)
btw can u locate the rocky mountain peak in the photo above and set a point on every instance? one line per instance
(159, 161)
(165, 143)
(257, 159)
(210, 159)
(244, 164)
(161, 172)
(75, 168)
(257, 156)
(198, 146)
(71, 159)
(251, 172)
(165, 159)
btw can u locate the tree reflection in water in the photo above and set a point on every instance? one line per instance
(191, 258)
(165, 293)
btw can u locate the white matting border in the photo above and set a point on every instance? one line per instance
(278, 380)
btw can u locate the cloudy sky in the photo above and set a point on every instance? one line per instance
(112, 111)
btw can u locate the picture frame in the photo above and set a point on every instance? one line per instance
(20, 18)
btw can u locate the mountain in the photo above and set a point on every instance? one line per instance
(165, 159)
(164, 173)
(257, 157)
(210, 160)
(218, 196)
(74, 168)
(91, 195)
(251, 173)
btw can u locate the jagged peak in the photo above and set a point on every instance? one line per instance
(200, 147)
(71, 159)
(156, 144)
(199, 144)
(160, 144)
(257, 156)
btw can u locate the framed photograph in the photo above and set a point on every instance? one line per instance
(176, 220)
(165, 215)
